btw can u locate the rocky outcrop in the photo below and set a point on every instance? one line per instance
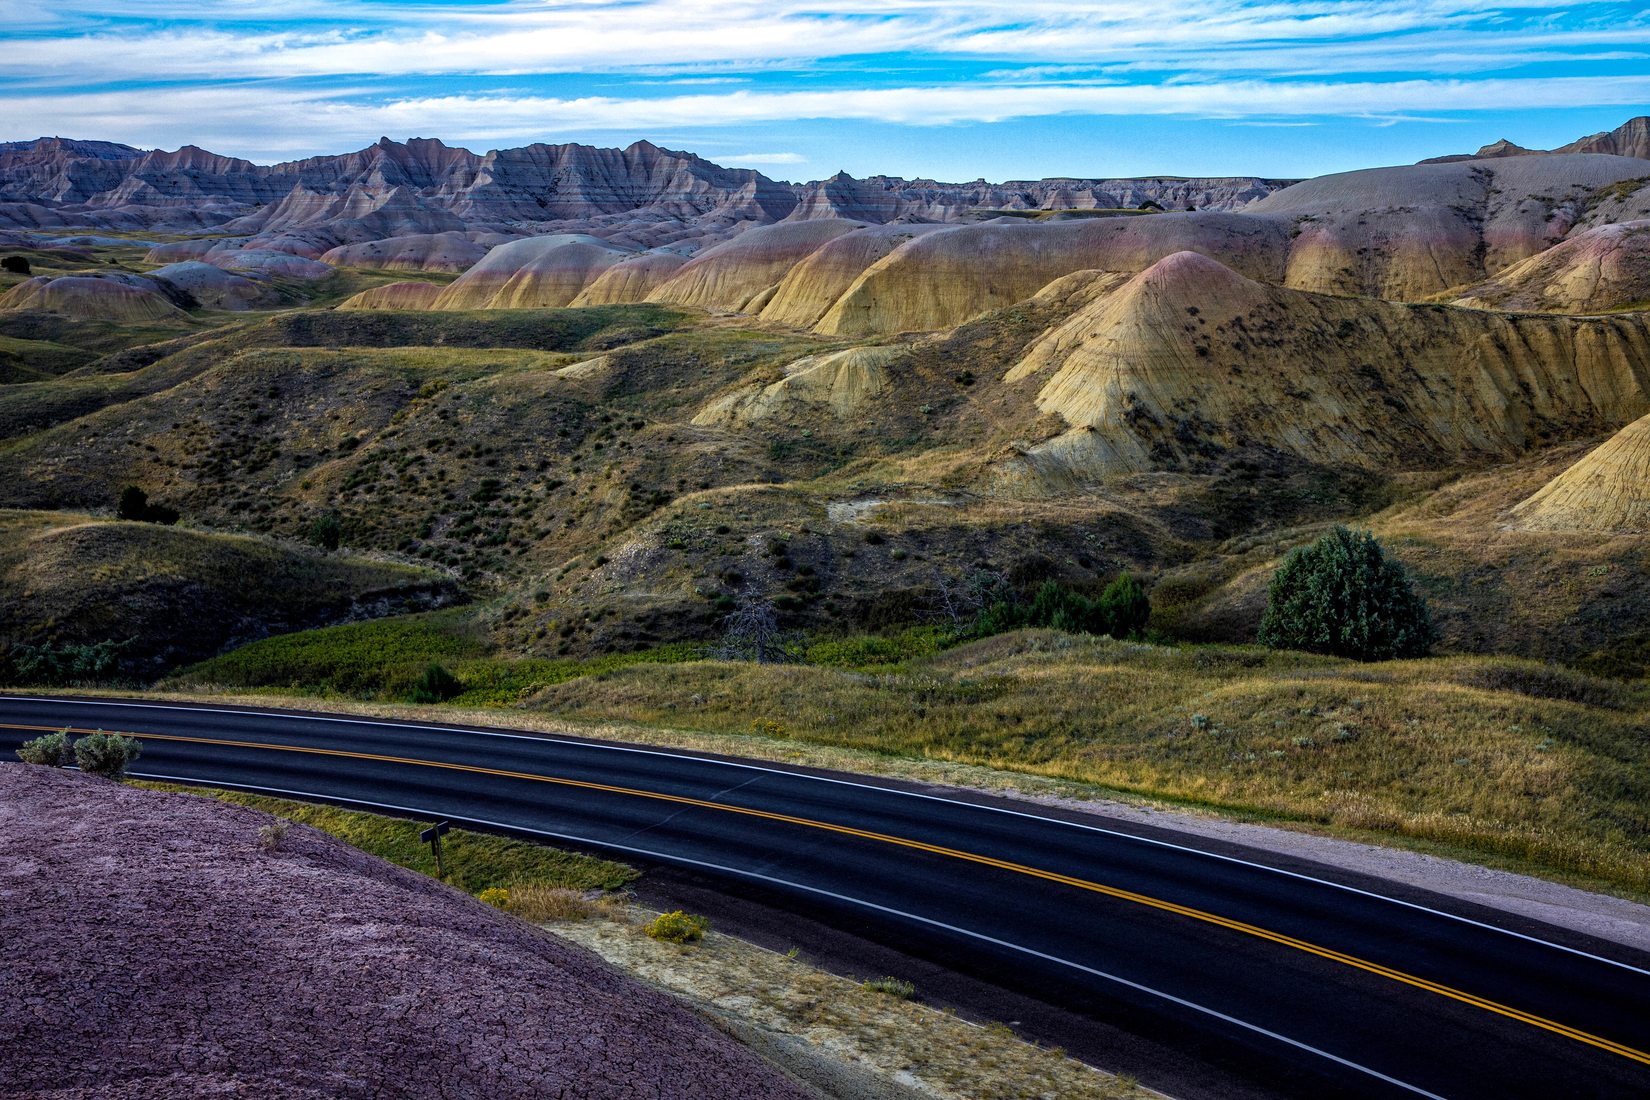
(1607, 492)
(450, 251)
(1630, 139)
(215, 288)
(631, 279)
(1595, 271)
(533, 273)
(742, 273)
(941, 279)
(1412, 232)
(129, 300)
(303, 969)
(408, 295)
(1190, 359)
(837, 384)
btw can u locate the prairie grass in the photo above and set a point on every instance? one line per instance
(474, 861)
(1494, 757)
(382, 659)
(534, 902)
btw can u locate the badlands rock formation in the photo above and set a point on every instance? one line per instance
(409, 295)
(537, 273)
(452, 251)
(224, 966)
(638, 198)
(1595, 271)
(734, 275)
(1190, 359)
(837, 384)
(87, 298)
(631, 279)
(1607, 492)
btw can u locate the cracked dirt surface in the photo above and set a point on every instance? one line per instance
(155, 948)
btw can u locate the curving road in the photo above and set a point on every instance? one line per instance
(1263, 976)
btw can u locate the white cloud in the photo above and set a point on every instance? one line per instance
(262, 120)
(757, 160)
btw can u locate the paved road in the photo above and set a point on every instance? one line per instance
(1265, 976)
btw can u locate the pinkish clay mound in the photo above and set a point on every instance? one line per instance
(156, 949)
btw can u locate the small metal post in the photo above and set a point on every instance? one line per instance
(432, 836)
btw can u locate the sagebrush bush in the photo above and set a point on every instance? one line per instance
(1121, 610)
(893, 987)
(49, 750)
(60, 665)
(678, 927)
(1344, 597)
(437, 685)
(106, 754)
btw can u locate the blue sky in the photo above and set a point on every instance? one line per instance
(952, 91)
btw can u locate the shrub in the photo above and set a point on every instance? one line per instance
(106, 754)
(134, 504)
(1120, 611)
(62, 664)
(496, 896)
(1343, 596)
(893, 987)
(678, 927)
(273, 835)
(49, 750)
(326, 532)
(437, 685)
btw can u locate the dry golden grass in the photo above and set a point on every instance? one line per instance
(934, 1053)
(1498, 758)
(537, 902)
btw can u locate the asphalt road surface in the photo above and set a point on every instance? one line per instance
(1205, 969)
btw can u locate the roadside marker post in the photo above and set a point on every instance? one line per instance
(432, 836)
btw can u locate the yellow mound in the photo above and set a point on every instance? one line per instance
(409, 295)
(1189, 360)
(838, 384)
(533, 273)
(1606, 492)
(85, 298)
(1600, 269)
(809, 289)
(939, 280)
(630, 280)
(735, 274)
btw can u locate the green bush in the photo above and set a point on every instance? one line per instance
(57, 665)
(49, 750)
(106, 754)
(437, 685)
(326, 532)
(1344, 597)
(134, 504)
(893, 987)
(1120, 611)
(678, 927)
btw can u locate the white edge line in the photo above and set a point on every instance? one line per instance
(596, 744)
(684, 860)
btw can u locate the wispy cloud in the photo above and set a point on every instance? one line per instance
(312, 73)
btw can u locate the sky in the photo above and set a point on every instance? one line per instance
(950, 91)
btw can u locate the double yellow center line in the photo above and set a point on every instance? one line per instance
(951, 853)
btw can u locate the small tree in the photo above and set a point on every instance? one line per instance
(326, 532)
(1125, 607)
(106, 754)
(134, 504)
(1343, 596)
(437, 685)
(49, 750)
(751, 632)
